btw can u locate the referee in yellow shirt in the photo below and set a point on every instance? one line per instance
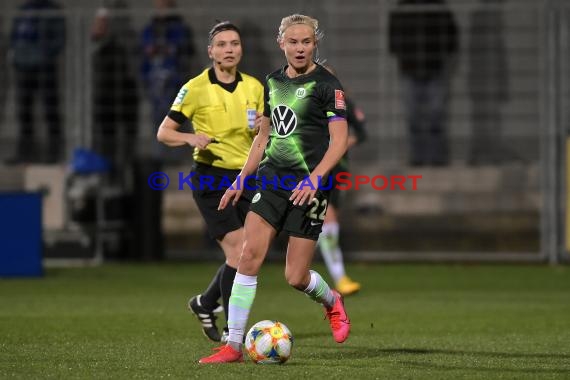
(222, 104)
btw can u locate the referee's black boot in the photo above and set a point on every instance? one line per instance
(206, 318)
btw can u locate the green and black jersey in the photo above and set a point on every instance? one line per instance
(300, 110)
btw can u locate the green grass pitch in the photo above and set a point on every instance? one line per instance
(128, 321)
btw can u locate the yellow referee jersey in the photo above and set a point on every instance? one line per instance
(223, 115)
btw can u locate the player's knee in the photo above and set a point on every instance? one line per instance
(250, 255)
(296, 281)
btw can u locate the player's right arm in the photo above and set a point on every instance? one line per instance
(258, 147)
(168, 134)
(251, 164)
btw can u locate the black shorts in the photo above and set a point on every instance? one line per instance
(210, 184)
(299, 221)
(336, 196)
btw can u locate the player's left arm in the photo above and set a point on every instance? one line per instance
(338, 130)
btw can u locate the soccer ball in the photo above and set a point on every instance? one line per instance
(269, 342)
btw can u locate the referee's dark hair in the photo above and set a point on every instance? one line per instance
(221, 26)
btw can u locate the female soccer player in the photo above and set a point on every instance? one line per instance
(221, 102)
(309, 136)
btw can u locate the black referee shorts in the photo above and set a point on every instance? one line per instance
(210, 184)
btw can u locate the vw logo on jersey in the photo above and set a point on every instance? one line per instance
(284, 120)
(301, 92)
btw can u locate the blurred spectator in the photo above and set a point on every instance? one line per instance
(488, 82)
(167, 50)
(257, 59)
(423, 37)
(115, 96)
(36, 41)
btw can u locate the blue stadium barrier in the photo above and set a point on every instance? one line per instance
(21, 243)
